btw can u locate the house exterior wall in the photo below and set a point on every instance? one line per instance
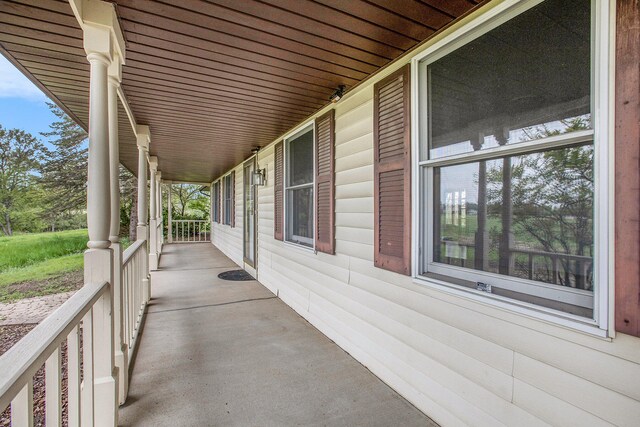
(461, 361)
(226, 238)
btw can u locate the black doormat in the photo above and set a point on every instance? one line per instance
(235, 275)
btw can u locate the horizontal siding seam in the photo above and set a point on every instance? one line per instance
(418, 372)
(563, 401)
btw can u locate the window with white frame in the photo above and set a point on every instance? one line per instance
(299, 181)
(215, 202)
(227, 203)
(507, 159)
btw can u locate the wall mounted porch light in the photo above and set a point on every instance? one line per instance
(337, 95)
(259, 175)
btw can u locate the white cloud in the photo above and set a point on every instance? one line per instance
(13, 84)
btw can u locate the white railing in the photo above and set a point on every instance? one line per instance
(83, 322)
(134, 292)
(188, 230)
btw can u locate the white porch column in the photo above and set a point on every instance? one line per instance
(169, 214)
(100, 406)
(153, 211)
(120, 348)
(160, 214)
(142, 232)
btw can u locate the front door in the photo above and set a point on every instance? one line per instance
(249, 213)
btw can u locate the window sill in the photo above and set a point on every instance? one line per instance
(300, 247)
(518, 308)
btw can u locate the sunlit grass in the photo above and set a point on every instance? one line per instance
(30, 249)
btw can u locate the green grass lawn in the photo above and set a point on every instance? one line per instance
(28, 249)
(41, 263)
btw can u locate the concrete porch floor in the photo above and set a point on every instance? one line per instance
(216, 352)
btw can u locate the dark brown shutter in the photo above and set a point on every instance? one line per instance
(324, 187)
(392, 172)
(278, 205)
(233, 198)
(627, 170)
(212, 208)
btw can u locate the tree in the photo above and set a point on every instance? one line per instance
(189, 202)
(20, 153)
(64, 171)
(128, 202)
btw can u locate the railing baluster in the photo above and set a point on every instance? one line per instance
(134, 307)
(53, 397)
(190, 230)
(22, 406)
(87, 399)
(73, 377)
(132, 311)
(138, 300)
(127, 307)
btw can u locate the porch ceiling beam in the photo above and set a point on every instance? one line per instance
(97, 14)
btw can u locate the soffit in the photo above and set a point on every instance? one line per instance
(214, 79)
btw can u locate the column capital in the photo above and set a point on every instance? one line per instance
(143, 137)
(101, 29)
(159, 177)
(153, 164)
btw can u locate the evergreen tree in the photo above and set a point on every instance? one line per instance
(64, 172)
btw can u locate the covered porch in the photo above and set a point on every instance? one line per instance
(216, 352)
(332, 206)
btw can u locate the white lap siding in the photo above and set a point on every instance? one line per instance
(460, 361)
(226, 238)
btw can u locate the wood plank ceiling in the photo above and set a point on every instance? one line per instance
(214, 79)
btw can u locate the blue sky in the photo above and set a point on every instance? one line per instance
(22, 104)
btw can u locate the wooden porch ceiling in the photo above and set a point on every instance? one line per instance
(214, 79)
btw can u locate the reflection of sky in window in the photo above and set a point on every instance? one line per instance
(465, 176)
(459, 178)
(517, 135)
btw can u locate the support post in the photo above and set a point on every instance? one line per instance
(98, 260)
(153, 211)
(121, 349)
(160, 225)
(169, 214)
(143, 139)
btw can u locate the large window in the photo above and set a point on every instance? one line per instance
(299, 181)
(507, 159)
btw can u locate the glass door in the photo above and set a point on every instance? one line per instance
(249, 213)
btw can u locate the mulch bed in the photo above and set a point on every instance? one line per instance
(11, 334)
